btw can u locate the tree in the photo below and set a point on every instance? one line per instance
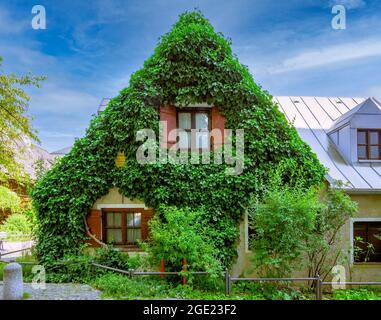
(282, 221)
(324, 249)
(14, 123)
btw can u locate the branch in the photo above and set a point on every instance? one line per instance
(93, 236)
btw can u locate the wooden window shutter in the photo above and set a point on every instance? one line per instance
(94, 221)
(218, 122)
(168, 114)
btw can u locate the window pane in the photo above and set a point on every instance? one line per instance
(361, 152)
(134, 219)
(361, 137)
(114, 235)
(130, 219)
(364, 236)
(184, 140)
(114, 219)
(374, 152)
(137, 219)
(202, 121)
(202, 140)
(373, 137)
(185, 121)
(133, 235)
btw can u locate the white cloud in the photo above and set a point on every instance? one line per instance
(349, 4)
(9, 24)
(57, 100)
(313, 58)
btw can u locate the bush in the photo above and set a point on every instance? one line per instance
(110, 257)
(9, 203)
(282, 222)
(71, 268)
(179, 234)
(17, 225)
(117, 286)
(356, 294)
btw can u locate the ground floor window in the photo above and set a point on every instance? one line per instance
(122, 226)
(367, 243)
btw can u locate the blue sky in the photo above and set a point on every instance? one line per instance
(90, 48)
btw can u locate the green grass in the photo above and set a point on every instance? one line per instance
(120, 287)
(357, 294)
(26, 268)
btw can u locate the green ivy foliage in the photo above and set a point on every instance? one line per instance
(191, 64)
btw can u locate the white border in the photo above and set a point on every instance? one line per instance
(351, 222)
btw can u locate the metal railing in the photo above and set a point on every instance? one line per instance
(229, 280)
(318, 283)
(131, 272)
(14, 251)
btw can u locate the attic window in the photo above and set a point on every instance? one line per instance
(369, 144)
(196, 126)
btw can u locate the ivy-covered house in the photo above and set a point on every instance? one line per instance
(100, 192)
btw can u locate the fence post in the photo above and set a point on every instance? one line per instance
(319, 288)
(130, 273)
(227, 282)
(184, 269)
(162, 268)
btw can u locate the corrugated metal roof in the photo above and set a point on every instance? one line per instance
(313, 118)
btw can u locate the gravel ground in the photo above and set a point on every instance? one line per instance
(66, 291)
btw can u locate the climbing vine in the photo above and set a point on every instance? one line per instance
(191, 64)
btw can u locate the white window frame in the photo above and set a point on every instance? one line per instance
(351, 230)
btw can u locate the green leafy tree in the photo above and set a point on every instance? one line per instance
(282, 222)
(181, 234)
(325, 242)
(14, 123)
(10, 202)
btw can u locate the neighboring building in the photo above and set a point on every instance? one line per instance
(345, 133)
(32, 158)
(61, 152)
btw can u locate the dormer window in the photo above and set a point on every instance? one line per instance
(195, 123)
(369, 144)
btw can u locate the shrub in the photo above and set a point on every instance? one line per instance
(282, 222)
(356, 294)
(323, 246)
(71, 268)
(179, 234)
(17, 225)
(121, 287)
(111, 257)
(9, 202)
